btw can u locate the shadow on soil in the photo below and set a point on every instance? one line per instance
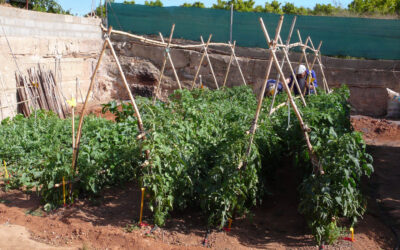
(384, 187)
(274, 221)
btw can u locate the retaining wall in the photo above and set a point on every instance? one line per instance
(367, 79)
(43, 38)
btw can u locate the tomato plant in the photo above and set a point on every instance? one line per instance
(196, 142)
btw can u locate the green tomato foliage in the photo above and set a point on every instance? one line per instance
(196, 142)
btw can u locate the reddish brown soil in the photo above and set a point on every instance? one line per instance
(102, 223)
(96, 109)
(105, 222)
(378, 131)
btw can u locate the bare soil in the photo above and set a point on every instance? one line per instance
(377, 131)
(109, 221)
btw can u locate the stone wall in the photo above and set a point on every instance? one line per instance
(29, 38)
(367, 79)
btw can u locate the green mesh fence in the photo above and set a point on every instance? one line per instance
(346, 36)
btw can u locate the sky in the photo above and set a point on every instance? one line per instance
(82, 7)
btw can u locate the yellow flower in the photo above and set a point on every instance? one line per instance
(72, 102)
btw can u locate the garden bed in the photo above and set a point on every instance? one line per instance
(197, 141)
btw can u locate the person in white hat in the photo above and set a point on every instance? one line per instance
(307, 81)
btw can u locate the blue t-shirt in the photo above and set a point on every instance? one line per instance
(309, 78)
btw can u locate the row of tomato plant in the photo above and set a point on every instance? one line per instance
(196, 142)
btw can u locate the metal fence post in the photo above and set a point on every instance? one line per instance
(230, 37)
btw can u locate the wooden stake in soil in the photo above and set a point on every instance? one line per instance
(229, 64)
(209, 62)
(137, 114)
(282, 64)
(253, 128)
(157, 90)
(308, 84)
(302, 45)
(304, 127)
(78, 133)
(132, 99)
(172, 63)
(295, 82)
(201, 61)
(141, 207)
(318, 58)
(237, 63)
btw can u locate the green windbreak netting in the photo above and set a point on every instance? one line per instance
(346, 36)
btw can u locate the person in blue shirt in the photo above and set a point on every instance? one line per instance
(307, 82)
(271, 85)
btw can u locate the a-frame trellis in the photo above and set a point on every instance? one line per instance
(107, 42)
(273, 45)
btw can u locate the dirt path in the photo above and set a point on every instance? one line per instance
(15, 237)
(383, 139)
(386, 181)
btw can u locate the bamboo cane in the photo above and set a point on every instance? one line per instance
(237, 62)
(303, 126)
(294, 77)
(316, 53)
(172, 64)
(323, 75)
(282, 64)
(73, 127)
(132, 99)
(229, 64)
(253, 128)
(78, 133)
(158, 43)
(304, 55)
(304, 46)
(209, 63)
(201, 61)
(317, 57)
(164, 63)
(310, 68)
(281, 105)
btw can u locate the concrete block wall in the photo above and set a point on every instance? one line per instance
(29, 38)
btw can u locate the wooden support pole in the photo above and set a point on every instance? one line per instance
(229, 64)
(78, 133)
(237, 62)
(304, 46)
(316, 53)
(294, 77)
(272, 47)
(73, 127)
(323, 75)
(308, 83)
(172, 63)
(132, 99)
(157, 89)
(282, 64)
(303, 126)
(304, 55)
(209, 63)
(201, 61)
(318, 58)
